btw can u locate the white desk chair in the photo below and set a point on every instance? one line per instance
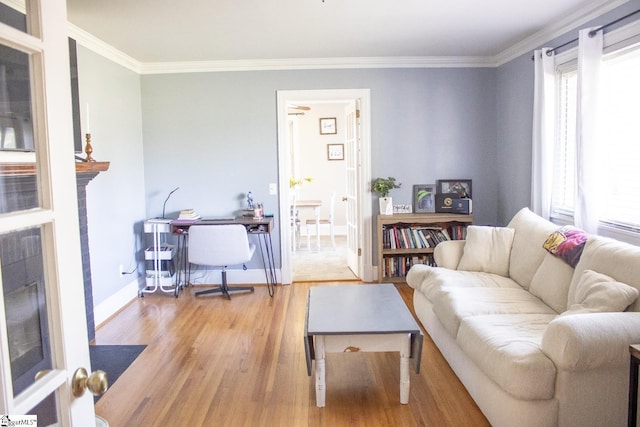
(220, 246)
(324, 221)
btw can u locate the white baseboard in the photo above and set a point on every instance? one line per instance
(115, 302)
(107, 308)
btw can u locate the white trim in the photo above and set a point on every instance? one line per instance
(544, 36)
(101, 48)
(364, 209)
(107, 308)
(318, 64)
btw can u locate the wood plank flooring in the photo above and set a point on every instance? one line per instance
(214, 362)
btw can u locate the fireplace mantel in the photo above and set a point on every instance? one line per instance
(30, 168)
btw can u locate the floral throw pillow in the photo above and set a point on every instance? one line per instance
(567, 243)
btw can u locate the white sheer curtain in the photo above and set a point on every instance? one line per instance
(588, 191)
(543, 131)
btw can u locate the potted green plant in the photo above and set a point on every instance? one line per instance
(382, 187)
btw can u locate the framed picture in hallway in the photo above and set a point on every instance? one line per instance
(328, 126)
(335, 151)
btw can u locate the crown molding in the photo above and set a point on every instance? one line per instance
(557, 29)
(570, 22)
(96, 45)
(316, 64)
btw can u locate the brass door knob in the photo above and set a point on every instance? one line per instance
(344, 198)
(97, 383)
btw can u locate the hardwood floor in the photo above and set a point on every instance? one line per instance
(214, 362)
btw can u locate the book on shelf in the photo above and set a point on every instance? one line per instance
(398, 266)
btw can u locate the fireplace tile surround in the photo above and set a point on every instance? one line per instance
(19, 192)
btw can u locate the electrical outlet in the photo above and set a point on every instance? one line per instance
(121, 269)
(273, 189)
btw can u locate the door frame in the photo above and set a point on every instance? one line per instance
(285, 97)
(56, 215)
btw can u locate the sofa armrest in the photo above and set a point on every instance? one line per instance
(447, 254)
(580, 342)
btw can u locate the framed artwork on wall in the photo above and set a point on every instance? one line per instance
(328, 126)
(335, 151)
(423, 198)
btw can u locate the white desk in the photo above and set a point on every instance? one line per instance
(315, 205)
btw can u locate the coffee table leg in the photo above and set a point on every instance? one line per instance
(320, 371)
(405, 354)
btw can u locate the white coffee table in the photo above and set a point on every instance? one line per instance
(360, 317)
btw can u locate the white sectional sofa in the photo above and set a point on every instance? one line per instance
(535, 341)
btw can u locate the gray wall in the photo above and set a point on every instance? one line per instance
(215, 134)
(116, 198)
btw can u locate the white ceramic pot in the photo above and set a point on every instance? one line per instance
(386, 206)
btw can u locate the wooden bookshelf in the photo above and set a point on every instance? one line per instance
(406, 239)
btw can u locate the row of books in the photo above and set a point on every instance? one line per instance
(408, 237)
(458, 232)
(398, 266)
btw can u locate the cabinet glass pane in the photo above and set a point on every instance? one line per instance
(25, 305)
(18, 178)
(13, 13)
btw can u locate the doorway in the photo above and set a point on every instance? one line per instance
(330, 168)
(318, 181)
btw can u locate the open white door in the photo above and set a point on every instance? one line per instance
(43, 332)
(351, 158)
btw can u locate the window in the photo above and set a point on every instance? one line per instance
(619, 119)
(564, 153)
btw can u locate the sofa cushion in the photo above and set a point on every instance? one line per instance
(551, 282)
(567, 243)
(430, 280)
(599, 293)
(527, 252)
(452, 305)
(487, 249)
(506, 347)
(618, 260)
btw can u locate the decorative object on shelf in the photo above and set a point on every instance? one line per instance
(462, 206)
(382, 187)
(328, 126)
(398, 209)
(335, 151)
(250, 200)
(460, 187)
(449, 191)
(424, 198)
(88, 149)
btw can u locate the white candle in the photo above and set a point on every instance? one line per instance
(88, 121)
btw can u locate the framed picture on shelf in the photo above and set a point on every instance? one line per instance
(335, 151)
(328, 126)
(423, 198)
(460, 187)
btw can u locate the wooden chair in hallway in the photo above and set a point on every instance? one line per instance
(311, 223)
(295, 224)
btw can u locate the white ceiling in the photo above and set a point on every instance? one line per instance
(156, 31)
